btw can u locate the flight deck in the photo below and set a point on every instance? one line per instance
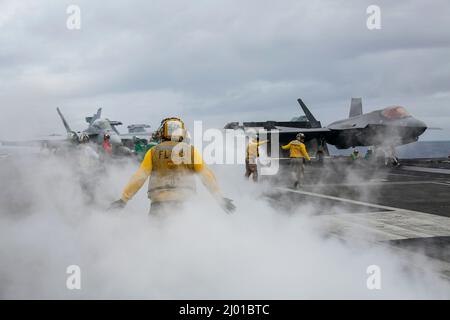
(406, 207)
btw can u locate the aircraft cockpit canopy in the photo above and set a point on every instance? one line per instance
(395, 112)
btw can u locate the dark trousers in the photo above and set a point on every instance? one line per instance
(251, 169)
(298, 169)
(161, 208)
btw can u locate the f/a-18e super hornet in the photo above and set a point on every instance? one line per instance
(96, 130)
(385, 128)
(98, 127)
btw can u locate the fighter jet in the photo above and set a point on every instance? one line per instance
(138, 128)
(385, 128)
(388, 127)
(97, 128)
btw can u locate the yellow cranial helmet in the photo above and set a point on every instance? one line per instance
(172, 129)
(300, 136)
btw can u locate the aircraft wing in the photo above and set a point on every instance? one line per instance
(20, 143)
(36, 143)
(310, 133)
(303, 130)
(284, 128)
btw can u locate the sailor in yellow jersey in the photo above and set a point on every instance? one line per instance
(171, 166)
(298, 155)
(251, 155)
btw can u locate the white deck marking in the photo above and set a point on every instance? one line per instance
(393, 224)
(375, 183)
(442, 184)
(319, 195)
(423, 169)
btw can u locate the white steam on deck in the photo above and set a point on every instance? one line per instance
(259, 252)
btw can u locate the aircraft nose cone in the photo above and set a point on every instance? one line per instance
(418, 125)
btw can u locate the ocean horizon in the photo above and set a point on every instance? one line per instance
(419, 149)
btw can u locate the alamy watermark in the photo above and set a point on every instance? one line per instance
(73, 281)
(73, 21)
(373, 281)
(228, 146)
(374, 19)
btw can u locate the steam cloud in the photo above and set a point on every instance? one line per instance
(259, 252)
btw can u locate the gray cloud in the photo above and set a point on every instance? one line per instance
(219, 61)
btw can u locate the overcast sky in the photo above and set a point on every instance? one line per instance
(219, 61)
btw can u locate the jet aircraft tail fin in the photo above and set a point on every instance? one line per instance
(355, 107)
(308, 114)
(96, 116)
(66, 125)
